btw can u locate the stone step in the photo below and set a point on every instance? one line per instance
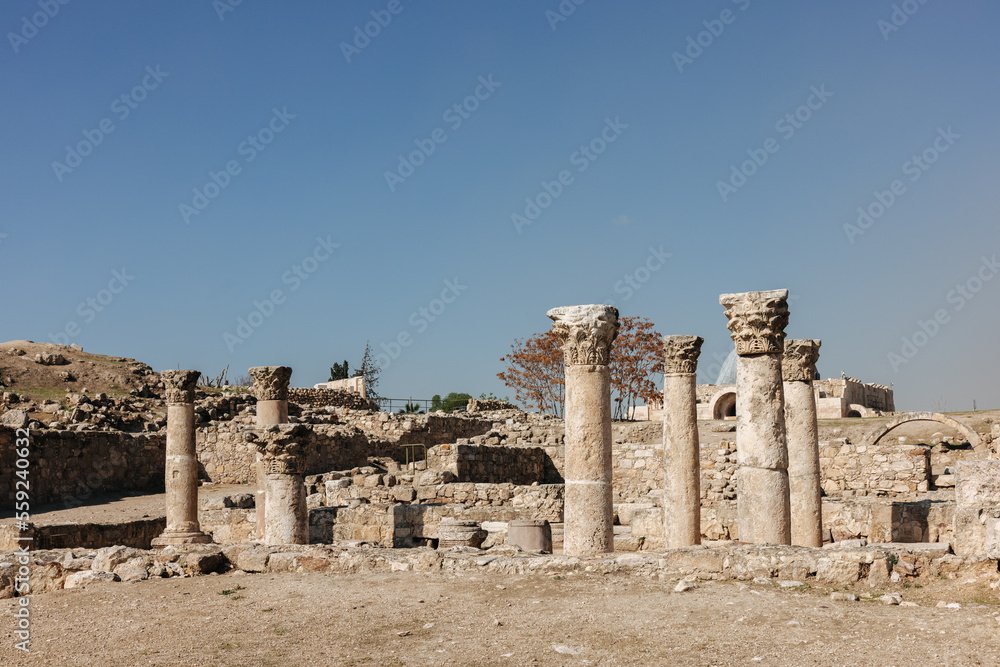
(943, 481)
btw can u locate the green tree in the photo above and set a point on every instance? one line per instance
(452, 401)
(339, 371)
(435, 402)
(370, 371)
(411, 409)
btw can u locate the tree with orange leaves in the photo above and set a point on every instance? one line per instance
(535, 368)
(535, 372)
(636, 361)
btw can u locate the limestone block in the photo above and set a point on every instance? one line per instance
(977, 483)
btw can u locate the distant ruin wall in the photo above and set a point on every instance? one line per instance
(338, 398)
(71, 466)
(225, 458)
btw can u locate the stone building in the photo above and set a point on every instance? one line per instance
(836, 398)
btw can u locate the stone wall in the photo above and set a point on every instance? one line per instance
(408, 429)
(874, 470)
(977, 512)
(340, 398)
(73, 465)
(877, 521)
(539, 501)
(225, 458)
(491, 465)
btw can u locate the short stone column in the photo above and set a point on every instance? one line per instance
(757, 322)
(681, 461)
(798, 369)
(587, 333)
(286, 516)
(181, 476)
(270, 386)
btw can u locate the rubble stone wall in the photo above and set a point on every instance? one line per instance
(874, 470)
(491, 465)
(71, 466)
(224, 456)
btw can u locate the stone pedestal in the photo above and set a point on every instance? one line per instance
(798, 369)
(181, 476)
(757, 321)
(530, 534)
(270, 387)
(286, 516)
(587, 333)
(681, 462)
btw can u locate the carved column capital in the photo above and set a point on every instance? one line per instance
(587, 332)
(180, 385)
(280, 447)
(799, 362)
(681, 354)
(270, 383)
(757, 320)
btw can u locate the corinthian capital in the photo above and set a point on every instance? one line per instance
(180, 385)
(280, 447)
(681, 353)
(799, 362)
(757, 320)
(586, 331)
(270, 383)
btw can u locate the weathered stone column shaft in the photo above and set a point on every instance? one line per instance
(805, 490)
(270, 386)
(681, 460)
(181, 466)
(757, 321)
(286, 516)
(587, 333)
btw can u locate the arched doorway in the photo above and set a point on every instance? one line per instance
(724, 404)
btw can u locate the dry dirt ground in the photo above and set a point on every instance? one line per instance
(410, 618)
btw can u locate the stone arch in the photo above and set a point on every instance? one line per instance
(723, 404)
(855, 410)
(875, 434)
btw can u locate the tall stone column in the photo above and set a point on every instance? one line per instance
(270, 386)
(587, 333)
(181, 476)
(757, 321)
(681, 463)
(798, 369)
(286, 516)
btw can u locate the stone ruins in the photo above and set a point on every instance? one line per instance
(325, 483)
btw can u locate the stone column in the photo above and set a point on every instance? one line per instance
(286, 516)
(587, 333)
(681, 462)
(181, 476)
(798, 369)
(757, 321)
(270, 386)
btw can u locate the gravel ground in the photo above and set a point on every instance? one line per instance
(410, 618)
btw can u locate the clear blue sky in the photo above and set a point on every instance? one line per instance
(610, 68)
